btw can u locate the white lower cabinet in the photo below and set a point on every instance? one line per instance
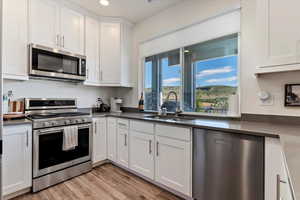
(173, 164)
(16, 158)
(122, 143)
(99, 140)
(112, 139)
(277, 184)
(162, 154)
(142, 153)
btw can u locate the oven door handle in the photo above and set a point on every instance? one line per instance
(54, 130)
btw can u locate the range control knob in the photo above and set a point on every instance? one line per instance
(45, 124)
(54, 123)
(67, 122)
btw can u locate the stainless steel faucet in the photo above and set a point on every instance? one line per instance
(177, 111)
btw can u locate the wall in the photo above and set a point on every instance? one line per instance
(174, 18)
(251, 85)
(85, 95)
(193, 11)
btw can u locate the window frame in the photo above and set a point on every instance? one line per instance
(181, 63)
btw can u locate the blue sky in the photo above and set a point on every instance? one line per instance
(219, 71)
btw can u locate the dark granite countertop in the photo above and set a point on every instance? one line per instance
(16, 122)
(289, 135)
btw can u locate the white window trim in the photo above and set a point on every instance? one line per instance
(237, 115)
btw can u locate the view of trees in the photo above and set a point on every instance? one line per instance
(213, 99)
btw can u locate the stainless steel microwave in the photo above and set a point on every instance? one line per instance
(57, 64)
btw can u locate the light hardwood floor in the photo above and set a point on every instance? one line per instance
(106, 182)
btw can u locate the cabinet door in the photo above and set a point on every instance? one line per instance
(122, 147)
(16, 158)
(276, 176)
(278, 32)
(72, 31)
(173, 164)
(92, 35)
(99, 140)
(110, 52)
(15, 39)
(142, 153)
(44, 23)
(112, 139)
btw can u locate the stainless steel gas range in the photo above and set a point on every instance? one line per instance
(52, 163)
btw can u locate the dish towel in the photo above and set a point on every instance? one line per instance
(70, 138)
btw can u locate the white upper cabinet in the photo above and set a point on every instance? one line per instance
(14, 39)
(56, 26)
(92, 37)
(278, 35)
(110, 52)
(72, 31)
(44, 23)
(115, 48)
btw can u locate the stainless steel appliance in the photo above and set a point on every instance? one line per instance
(56, 64)
(52, 164)
(115, 104)
(227, 166)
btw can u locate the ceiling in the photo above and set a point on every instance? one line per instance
(132, 10)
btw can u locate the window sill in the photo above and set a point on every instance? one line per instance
(196, 114)
(202, 115)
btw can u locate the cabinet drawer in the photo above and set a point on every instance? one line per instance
(123, 123)
(173, 132)
(140, 126)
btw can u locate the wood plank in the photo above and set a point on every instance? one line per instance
(106, 182)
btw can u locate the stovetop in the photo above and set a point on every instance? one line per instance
(49, 120)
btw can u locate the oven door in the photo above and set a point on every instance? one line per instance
(48, 155)
(54, 63)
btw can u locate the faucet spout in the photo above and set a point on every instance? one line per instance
(177, 111)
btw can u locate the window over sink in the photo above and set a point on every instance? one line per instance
(204, 76)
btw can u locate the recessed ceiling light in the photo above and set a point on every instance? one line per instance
(104, 2)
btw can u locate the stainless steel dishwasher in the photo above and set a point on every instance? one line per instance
(227, 166)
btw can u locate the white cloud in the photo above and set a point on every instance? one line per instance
(208, 72)
(170, 81)
(217, 80)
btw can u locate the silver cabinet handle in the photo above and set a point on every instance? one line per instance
(150, 146)
(63, 39)
(157, 143)
(95, 128)
(27, 138)
(87, 73)
(278, 182)
(121, 124)
(101, 75)
(57, 40)
(125, 142)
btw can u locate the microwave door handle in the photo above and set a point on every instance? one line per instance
(79, 70)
